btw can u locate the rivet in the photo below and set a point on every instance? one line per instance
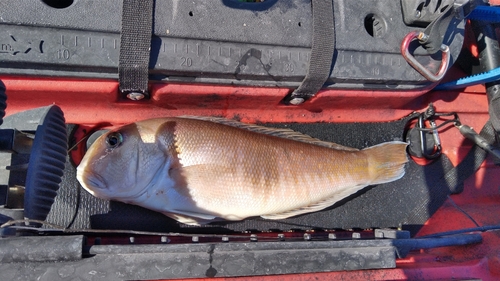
(135, 96)
(296, 101)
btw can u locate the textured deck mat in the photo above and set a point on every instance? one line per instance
(388, 205)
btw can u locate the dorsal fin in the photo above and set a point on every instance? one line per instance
(282, 133)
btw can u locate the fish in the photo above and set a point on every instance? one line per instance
(198, 170)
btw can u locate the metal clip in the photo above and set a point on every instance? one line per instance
(445, 60)
(424, 142)
(424, 139)
(434, 151)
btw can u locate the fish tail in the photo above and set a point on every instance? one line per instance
(387, 161)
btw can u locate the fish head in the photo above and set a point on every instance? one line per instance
(121, 164)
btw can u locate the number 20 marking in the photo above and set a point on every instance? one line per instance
(188, 62)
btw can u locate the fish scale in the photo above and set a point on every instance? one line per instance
(251, 170)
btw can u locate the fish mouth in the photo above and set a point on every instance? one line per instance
(95, 181)
(91, 182)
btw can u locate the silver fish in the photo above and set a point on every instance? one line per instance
(199, 170)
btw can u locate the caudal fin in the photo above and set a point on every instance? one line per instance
(387, 161)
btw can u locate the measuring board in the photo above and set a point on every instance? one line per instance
(221, 42)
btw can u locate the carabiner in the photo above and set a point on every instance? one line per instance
(445, 60)
(435, 151)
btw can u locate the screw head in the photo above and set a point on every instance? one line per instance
(296, 101)
(135, 96)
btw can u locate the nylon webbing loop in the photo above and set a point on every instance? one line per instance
(471, 163)
(323, 47)
(454, 178)
(135, 46)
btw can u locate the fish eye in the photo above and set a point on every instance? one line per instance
(114, 139)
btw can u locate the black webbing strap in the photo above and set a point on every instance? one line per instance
(323, 47)
(453, 179)
(135, 46)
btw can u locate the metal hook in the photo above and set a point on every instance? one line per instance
(436, 151)
(417, 65)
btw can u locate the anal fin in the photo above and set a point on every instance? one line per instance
(192, 218)
(345, 192)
